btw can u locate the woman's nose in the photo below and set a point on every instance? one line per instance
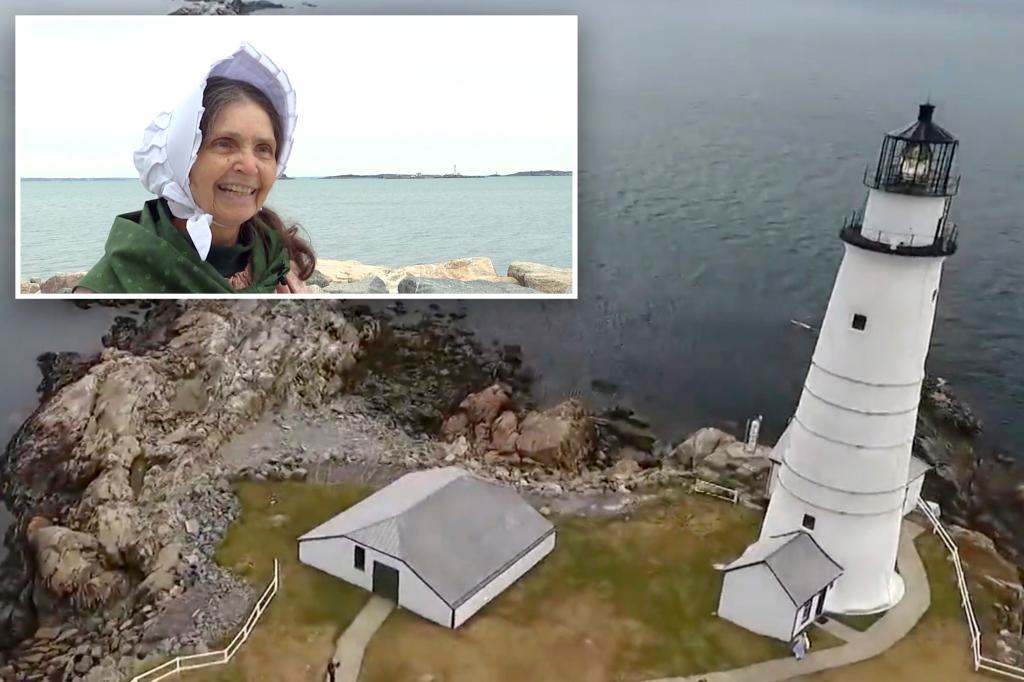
(246, 163)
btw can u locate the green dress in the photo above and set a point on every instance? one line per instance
(146, 254)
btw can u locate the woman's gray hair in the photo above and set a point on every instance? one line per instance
(221, 92)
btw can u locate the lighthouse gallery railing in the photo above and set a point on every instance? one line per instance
(980, 662)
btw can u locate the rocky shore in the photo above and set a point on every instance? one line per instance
(226, 7)
(461, 276)
(120, 482)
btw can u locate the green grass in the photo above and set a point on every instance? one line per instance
(941, 579)
(658, 570)
(652, 588)
(312, 608)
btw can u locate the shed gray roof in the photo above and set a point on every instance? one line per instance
(799, 564)
(454, 530)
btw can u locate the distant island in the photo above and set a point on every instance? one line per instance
(428, 176)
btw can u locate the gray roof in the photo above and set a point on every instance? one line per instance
(799, 564)
(454, 530)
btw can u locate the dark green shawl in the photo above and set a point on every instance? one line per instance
(146, 254)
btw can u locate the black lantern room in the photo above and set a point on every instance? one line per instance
(917, 160)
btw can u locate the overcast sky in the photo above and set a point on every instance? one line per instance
(404, 94)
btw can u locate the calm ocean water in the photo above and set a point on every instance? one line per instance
(721, 144)
(383, 222)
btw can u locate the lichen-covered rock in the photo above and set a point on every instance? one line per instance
(484, 406)
(731, 465)
(70, 565)
(699, 445)
(114, 457)
(504, 432)
(561, 437)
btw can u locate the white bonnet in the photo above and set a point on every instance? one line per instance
(171, 142)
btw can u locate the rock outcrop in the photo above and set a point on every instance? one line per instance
(716, 456)
(371, 284)
(543, 278)
(561, 437)
(434, 285)
(107, 465)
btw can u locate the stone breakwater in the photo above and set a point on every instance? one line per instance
(461, 276)
(121, 480)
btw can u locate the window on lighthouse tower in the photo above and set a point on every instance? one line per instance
(859, 321)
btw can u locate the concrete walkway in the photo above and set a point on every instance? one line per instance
(840, 630)
(886, 631)
(351, 646)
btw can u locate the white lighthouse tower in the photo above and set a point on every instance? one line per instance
(843, 470)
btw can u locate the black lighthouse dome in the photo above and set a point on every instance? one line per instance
(917, 159)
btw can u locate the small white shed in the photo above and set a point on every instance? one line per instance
(441, 543)
(777, 588)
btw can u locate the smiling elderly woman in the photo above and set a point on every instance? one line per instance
(212, 162)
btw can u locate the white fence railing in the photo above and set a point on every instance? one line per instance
(980, 662)
(195, 661)
(715, 490)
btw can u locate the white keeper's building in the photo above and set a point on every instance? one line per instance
(777, 588)
(440, 542)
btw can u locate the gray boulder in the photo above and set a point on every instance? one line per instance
(368, 285)
(431, 285)
(318, 279)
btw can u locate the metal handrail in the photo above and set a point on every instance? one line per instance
(945, 236)
(223, 656)
(980, 662)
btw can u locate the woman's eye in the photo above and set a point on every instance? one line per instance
(222, 142)
(264, 149)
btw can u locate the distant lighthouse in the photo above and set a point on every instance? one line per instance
(843, 467)
(843, 474)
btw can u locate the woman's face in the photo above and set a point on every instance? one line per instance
(236, 165)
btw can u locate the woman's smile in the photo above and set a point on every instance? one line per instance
(235, 192)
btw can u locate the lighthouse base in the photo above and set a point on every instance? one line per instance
(842, 602)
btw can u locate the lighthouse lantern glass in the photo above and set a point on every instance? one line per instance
(916, 163)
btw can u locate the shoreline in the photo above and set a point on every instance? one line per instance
(475, 274)
(396, 400)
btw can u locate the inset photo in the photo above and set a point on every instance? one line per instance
(307, 156)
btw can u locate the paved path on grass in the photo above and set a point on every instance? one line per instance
(883, 633)
(352, 643)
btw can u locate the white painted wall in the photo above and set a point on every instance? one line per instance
(803, 621)
(846, 458)
(893, 218)
(913, 492)
(753, 599)
(501, 582)
(335, 556)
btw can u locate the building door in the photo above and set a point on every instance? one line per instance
(385, 581)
